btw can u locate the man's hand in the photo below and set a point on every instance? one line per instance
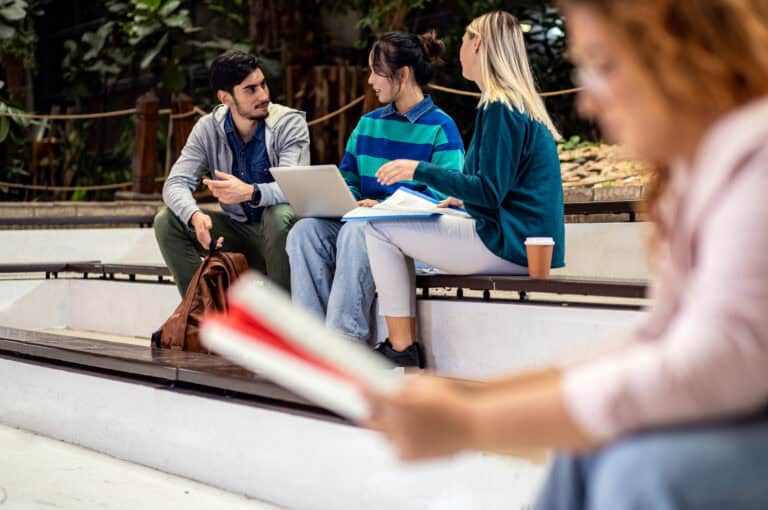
(202, 224)
(367, 202)
(229, 189)
(397, 170)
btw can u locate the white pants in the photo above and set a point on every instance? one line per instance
(448, 243)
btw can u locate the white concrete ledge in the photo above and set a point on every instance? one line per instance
(292, 461)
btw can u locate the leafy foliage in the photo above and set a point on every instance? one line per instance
(17, 30)
(383, 15)
(575, 142)
(140, 36)
(545, 40)
(7, 123)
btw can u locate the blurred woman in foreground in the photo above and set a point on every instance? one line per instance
(677, 417)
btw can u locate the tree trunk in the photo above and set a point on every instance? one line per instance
(16, 79)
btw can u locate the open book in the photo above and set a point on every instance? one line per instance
(266, 333)
(404, 203)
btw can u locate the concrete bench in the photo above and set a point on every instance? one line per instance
(199, 417)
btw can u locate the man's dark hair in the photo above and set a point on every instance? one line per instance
(230, 69)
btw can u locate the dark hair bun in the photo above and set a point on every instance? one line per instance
(394, 50)
(432, 47)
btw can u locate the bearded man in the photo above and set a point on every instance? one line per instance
(231, 149)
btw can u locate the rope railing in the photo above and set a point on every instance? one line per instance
(100, 115)
(196, 110)
(477, 94)
(454, 91)
(337, 112)
(101, 187)
(68, 116)
(199, 111)
(560, 92)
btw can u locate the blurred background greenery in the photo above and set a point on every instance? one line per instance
(84, 56)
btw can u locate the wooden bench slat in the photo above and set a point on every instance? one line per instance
(145, 270)
(199, 369)
(554, 284)
(43, 267)
(141, 220)
(603, 207)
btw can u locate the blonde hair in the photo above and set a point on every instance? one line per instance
(504, 67)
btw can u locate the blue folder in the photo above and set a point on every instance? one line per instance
(393, 216)
(405, 215)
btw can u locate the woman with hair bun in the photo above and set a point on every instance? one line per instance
(330, 273)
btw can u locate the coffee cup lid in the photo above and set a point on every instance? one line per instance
(540, 241)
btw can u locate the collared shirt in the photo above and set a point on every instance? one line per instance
(250, 161)
(414, 114)
(423, 133)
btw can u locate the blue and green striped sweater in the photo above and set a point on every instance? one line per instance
(424, 133)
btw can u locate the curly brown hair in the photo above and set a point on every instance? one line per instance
(705, 56)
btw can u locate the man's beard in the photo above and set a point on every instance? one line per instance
(250, 115)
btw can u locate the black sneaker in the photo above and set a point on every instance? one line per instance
(411, 357)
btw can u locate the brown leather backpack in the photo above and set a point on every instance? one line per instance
(206, 292)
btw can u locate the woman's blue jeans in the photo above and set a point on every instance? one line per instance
(718, 466)
(330, 274)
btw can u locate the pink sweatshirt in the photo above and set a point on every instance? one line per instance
(702, 350)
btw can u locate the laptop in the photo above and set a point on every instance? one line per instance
(317, 191)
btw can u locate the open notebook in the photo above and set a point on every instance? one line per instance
(404, 203)
(266, 333)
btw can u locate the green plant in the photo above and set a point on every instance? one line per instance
(158, 31)
(387, 15)
(139, 36)
(575, 142)
(7, 123)
(93, 65)
(378, 16)
(17, 31)
(231, 18)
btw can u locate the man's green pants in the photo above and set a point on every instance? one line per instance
(263, 244)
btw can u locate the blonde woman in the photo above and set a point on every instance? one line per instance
(510, 185)
(678, 417)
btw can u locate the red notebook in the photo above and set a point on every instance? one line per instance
(266, 333)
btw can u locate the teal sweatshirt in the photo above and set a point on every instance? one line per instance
(510, 184)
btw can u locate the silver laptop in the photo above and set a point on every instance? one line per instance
(317, 191)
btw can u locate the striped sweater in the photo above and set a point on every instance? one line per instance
(424, 133)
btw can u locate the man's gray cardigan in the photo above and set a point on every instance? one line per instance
(207, 149)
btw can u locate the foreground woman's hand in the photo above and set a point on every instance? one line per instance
(397, 170)
(430, 417)
(451, 202)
